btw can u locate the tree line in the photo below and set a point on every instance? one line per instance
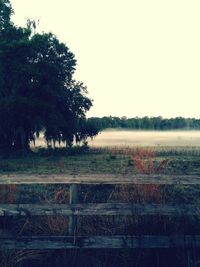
(145, 123)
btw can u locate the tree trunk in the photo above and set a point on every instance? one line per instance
(21, 141)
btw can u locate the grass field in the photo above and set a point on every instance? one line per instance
(181, 160)
(125, 160)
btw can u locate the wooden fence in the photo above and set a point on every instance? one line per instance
(74, 209)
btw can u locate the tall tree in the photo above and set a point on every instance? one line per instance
(37, 90)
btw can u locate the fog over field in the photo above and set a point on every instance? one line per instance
(142, 138)
(147, 138)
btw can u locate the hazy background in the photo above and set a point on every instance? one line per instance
(136, 57)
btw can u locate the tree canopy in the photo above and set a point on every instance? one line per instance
(37, 89)
(5, 13)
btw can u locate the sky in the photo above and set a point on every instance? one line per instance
(137, 58)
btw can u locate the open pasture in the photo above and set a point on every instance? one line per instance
(146, 138)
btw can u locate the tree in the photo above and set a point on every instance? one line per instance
(5, 13)
(37, 89)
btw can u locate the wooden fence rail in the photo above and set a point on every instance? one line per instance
(99, 209)
(74, 209)
(99, 242)
(100, 179)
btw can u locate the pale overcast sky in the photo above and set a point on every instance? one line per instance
(137, 57)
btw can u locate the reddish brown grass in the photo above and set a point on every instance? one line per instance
(144, 161)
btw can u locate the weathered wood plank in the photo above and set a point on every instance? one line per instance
(98, 209)
(94, 242)
(99, 179)
(73, 200)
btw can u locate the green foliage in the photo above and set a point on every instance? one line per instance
(5, 13)
(37, 89)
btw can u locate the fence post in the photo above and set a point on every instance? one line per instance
(73, 199)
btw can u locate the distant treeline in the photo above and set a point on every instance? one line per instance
(146, 123)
